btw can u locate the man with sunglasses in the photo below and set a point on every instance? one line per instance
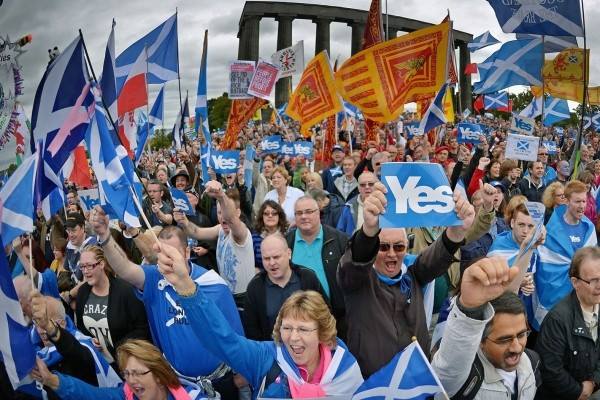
(383, 286)
(352, 215)
(568, 342)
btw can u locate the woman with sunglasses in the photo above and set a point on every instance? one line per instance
(147, 375)
(107, 308)
(282, 193)
(269, 219)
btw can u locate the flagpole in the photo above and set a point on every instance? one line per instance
(387, 22)
(543, 82)
(178, 75)
(583, 104)
(147, 104)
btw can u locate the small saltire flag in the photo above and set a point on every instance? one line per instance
(553, 44)
(518, 62)
(408, 376)
(239, 114)
(533, 109)
(555, 110)
(17, 351)
(248, 164)
(108, 81)
(154, 118)
(539, 17)
(484, 40)
(564, 75)
(434, 116)
(156, 113)
(495, 101)
(201, 109)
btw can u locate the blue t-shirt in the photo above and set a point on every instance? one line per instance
(309, 256)
(575, 233)
(169, 326)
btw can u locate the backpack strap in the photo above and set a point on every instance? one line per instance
(470, 388)
(535, 365)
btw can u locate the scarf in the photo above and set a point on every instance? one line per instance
(177, 393)
(303, 390)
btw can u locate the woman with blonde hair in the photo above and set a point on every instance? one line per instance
(107, 308)
(554, 196)
(147, 374)
(282, 193)
(314, 181)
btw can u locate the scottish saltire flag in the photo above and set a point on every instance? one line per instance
(593, 120)
(146, 130)
(539, 17)
(201, 97)
(116, 190)
(157, 112)
(142, 129)
(17, 351)
(434, 116)
(161, 45)
(248, 164)
(533, 109)
(482, 41)
(179, 128)
(553, 44)
(408, 376)
(204, 160)
(555, 110)
(108, 82)
(495, 101)
(281, 110)
(518, 62)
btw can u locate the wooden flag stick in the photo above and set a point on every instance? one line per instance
(141, 210)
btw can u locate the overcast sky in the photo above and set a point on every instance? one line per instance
(56, 23)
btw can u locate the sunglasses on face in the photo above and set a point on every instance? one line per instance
(398, 247)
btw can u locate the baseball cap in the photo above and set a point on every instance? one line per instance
(498, 184)
(74, 219)
(337, 147)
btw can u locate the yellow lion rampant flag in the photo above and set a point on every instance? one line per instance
(314, 98)
(381, 79)
(564, 75)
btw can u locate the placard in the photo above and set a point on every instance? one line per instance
(263, 80)
(522, 147)
(240, 76)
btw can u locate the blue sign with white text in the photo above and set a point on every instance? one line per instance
(418, 195)
(287, 149)
(180, 200)
(303, 148)
(224, 162)
(469, 133)
(550, 146)
(412, 129)
(271, 144)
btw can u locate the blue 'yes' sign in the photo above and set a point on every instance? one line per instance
(271, 144)
(303, 148)
(180, 200)
(287, 149)
(469, 133)
(419, 195)
(224, 162)
(412, 129)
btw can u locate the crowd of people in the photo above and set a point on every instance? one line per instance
(285, 286)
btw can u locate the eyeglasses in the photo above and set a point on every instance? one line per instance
(270, 214)
(543, 154)
(90, 267)
(300, 213)
(302, 330)
(592, 282)
(365, 184)
(559, 195)
(506, 341)
(133, 373)
(398, 247)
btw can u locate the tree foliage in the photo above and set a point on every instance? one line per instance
(162, 139)
(218, 111)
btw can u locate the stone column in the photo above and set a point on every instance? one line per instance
(322, 37)
(466, 100)
(284, 39)
(358, 33)
(249, 39)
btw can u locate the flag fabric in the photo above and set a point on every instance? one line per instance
(495, 101)
(179, 127)
(22, 133)
(314, 98)
(471, 68)
(382, 78)
(146, 130)
(17, 350)
(156, 113)
(289, 60)
(108, 82)
(434, 116)
(478, 104)
(518, 62)
(553, 44)
(330, 137)
(594, 96)
(539, 17)
(407, 376)
(449, 106)
(374, 27)
(161, 45)
(555, 110)
(80, 171)
(239, 114)
(201, 109)
(564, 75)
(533, 109)
(133, 93)
(116, 190)
(484, 40)
(248, 165)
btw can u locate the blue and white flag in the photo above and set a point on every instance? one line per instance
(481, 41)
(116, 189)
(553, 44)
(161, 45)
(409, 376)
(158, 109)
(180, 200)
(469, 133)
(271, 144)
(201, 109)
(551, 146)
(17, 350)
(559, 131)
(533, 109)
(518, 62)
(179, 127)
(466, 113)
(560, 18)
(555, 110)
(248, 165)
(224, 162)
(303, 148)
(281, 110)
(412, 129)
(434, 116)
(108, 81)
(495, 101)
(146, 130)
(593, 120)
(418, 195)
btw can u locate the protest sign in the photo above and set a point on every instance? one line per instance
(240, 76)
(180, 200)
(89, 198)
(289, 60)
(287, 149)
(412, 129)
(469, 133)
(522, 147)
(522, 125)
(536, 211)
(303, 148)
(466, 113)
(418, 195)
(224, 162)
(263, 80)
(271, 144)
(551, 146)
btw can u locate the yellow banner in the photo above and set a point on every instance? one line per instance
(566, 66)
(449, 106)
(381, 79)
(564, 89)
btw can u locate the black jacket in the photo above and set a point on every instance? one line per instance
(125, 313)
(568, 352)
(256, 323)
(529, 190)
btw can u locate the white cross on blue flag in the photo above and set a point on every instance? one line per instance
(434, 116)
(484, 40)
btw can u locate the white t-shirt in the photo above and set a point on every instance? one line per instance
(508, 378)
(235, 261)
(291, 195)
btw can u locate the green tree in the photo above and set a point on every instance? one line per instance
(218, 111)
(162, 139)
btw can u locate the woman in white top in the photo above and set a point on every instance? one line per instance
(283, 194)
